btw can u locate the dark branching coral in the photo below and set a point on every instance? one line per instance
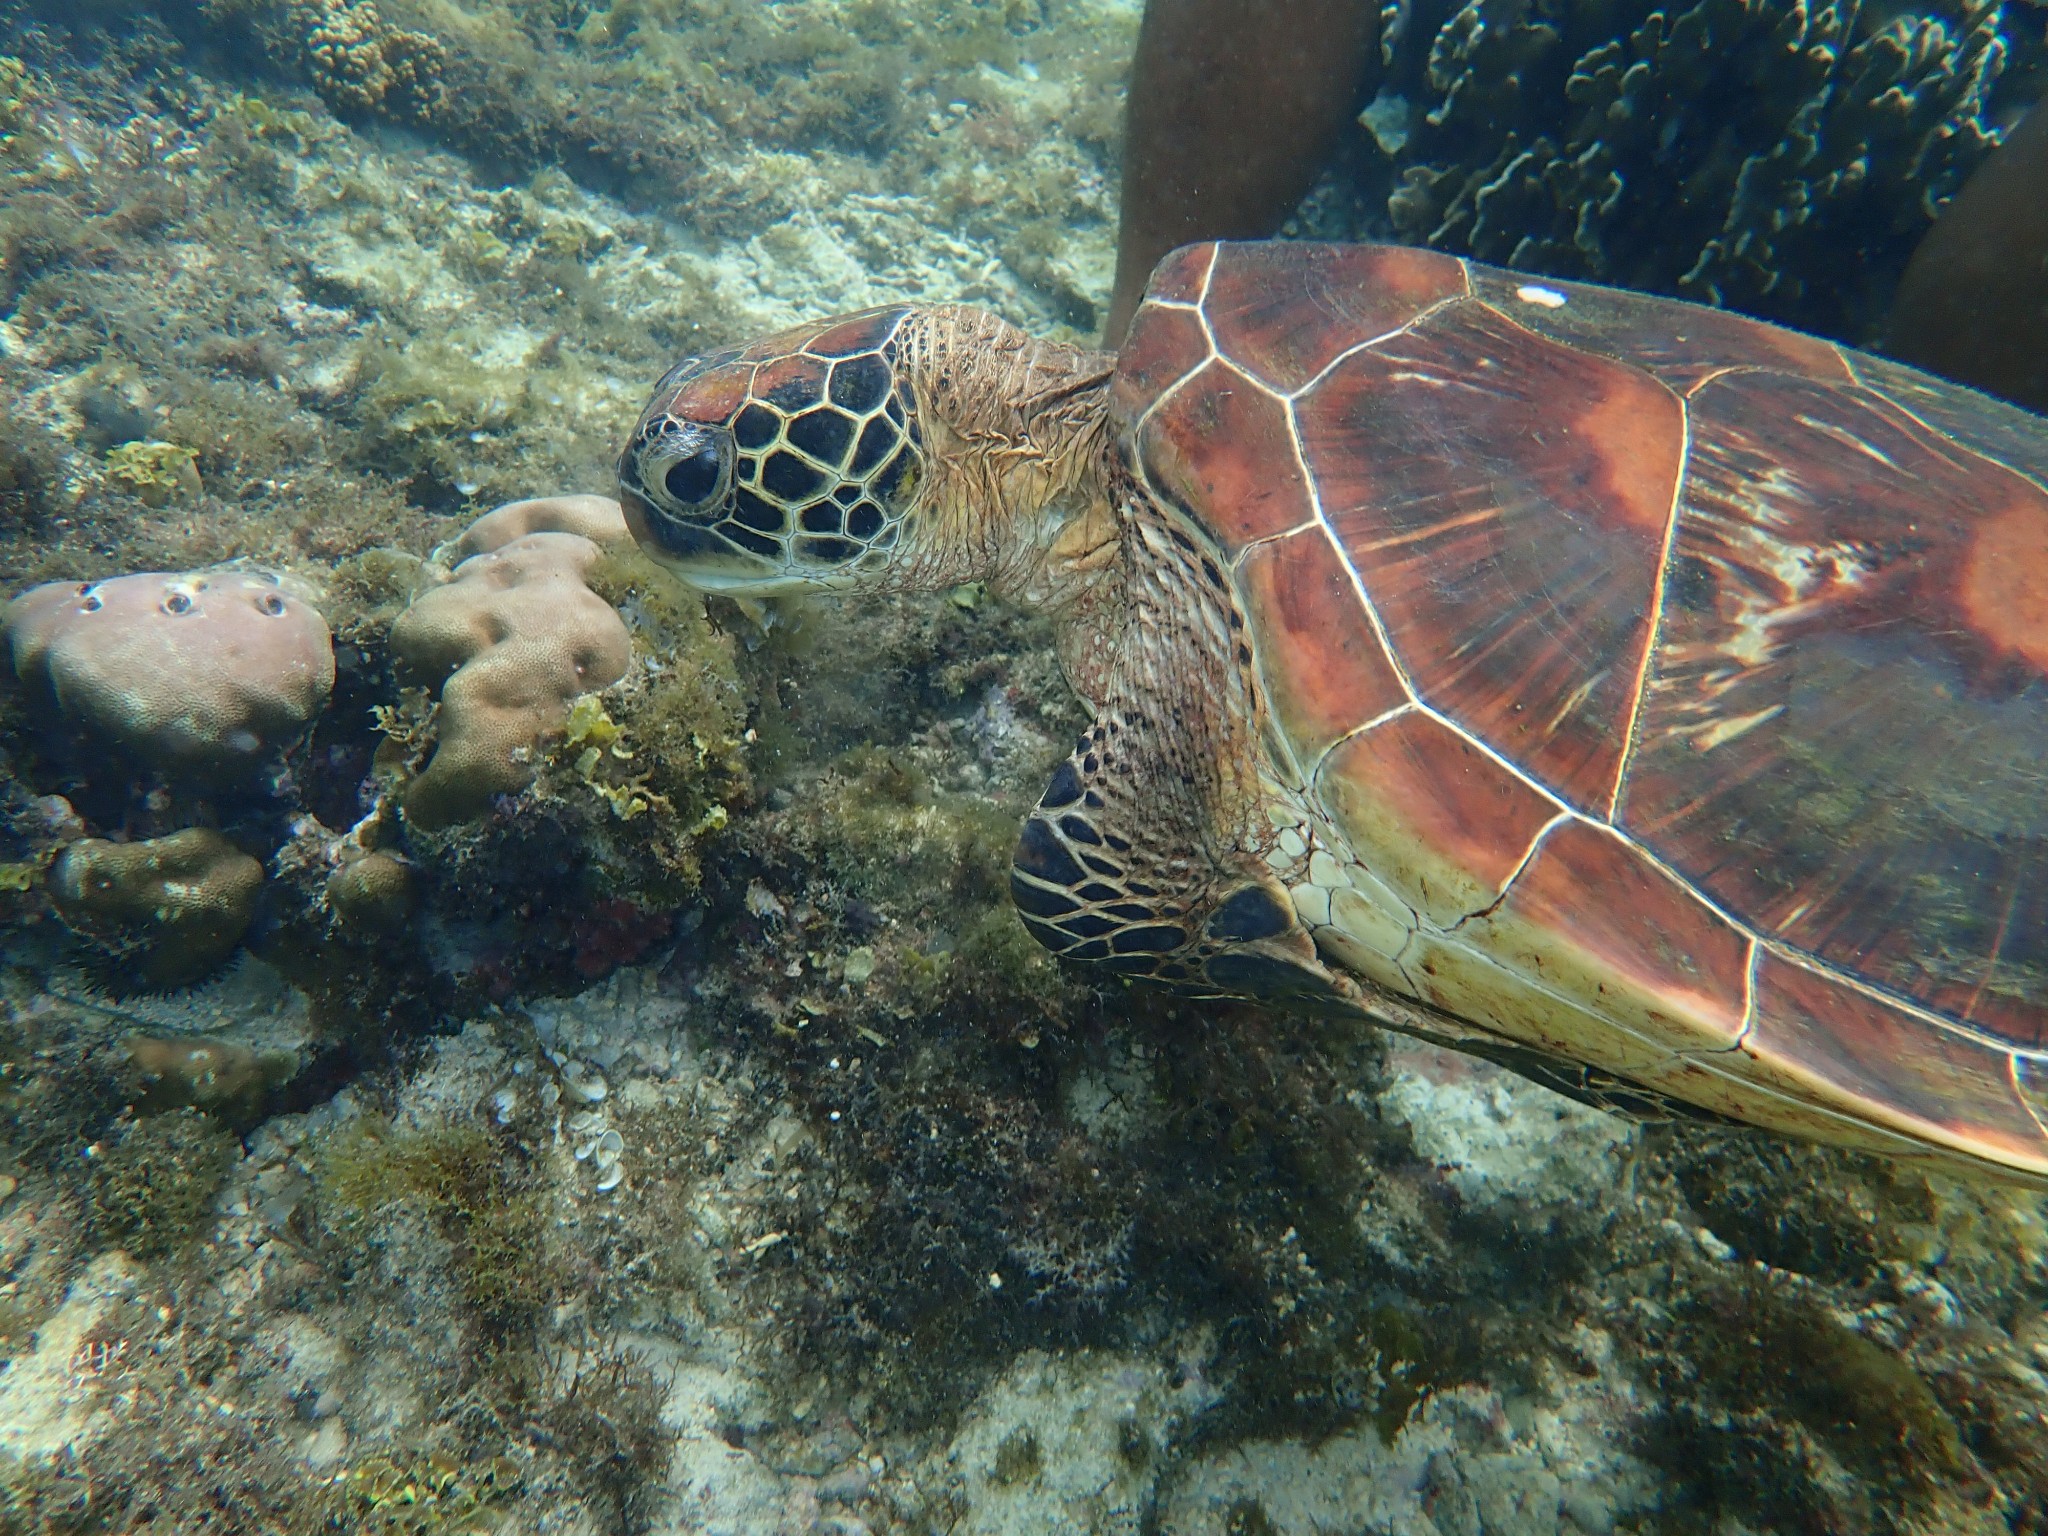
(1773, 157)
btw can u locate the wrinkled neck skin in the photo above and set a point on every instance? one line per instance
(1026, 489)
(1016, 433)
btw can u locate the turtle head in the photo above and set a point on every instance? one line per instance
(791, 463)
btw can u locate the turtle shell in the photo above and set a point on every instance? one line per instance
(1671, 685)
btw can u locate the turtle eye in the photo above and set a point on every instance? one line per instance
(688, 466)
(693, 480)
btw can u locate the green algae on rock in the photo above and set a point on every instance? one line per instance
(466, 1183)
(153, 1180)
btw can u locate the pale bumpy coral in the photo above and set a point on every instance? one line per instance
(166, 911)
(512, 637)
(203, 673)
(596, 518)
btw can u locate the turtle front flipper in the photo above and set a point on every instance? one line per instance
(1091, 885)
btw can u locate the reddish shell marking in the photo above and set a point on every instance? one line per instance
(1296, 308)
(1179, 279)
(791, 380)
(1222, 443)
(1505, 501)
(1847, 587)
(1332, 674)
(1168, 348)
(2004, 588)
(1412, 788)
(713, 395)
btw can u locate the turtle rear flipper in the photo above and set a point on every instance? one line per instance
(1090, 886)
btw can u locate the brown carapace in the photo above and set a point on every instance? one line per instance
(1651, 698)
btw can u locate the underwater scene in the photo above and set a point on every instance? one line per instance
(1094, 767)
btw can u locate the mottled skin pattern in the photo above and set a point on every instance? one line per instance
(1646, 697)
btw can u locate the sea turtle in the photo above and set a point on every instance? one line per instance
(1642, 695)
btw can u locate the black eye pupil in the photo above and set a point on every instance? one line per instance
(693, 480)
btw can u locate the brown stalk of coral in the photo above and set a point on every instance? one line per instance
(1973, 305)
(1234, 107)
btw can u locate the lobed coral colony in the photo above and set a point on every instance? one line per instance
(211, 685)
(490, 1041)
(508, 642)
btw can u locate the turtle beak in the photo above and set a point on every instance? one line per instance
(696, 553)
(675, 490)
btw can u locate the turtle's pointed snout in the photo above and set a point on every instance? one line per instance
(676, 481)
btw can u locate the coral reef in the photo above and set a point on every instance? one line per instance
(687, 1137)
(625, 787)
(1597, 142)
(162, 912)
(362, 65)
(513, 636)
(223, 1078)
(596, 518)
(200, 674)
(371, 894)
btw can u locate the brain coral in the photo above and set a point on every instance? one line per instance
(165, 911)
(201, 674)
(1770, 155)
(511, 638)
(596, 518)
